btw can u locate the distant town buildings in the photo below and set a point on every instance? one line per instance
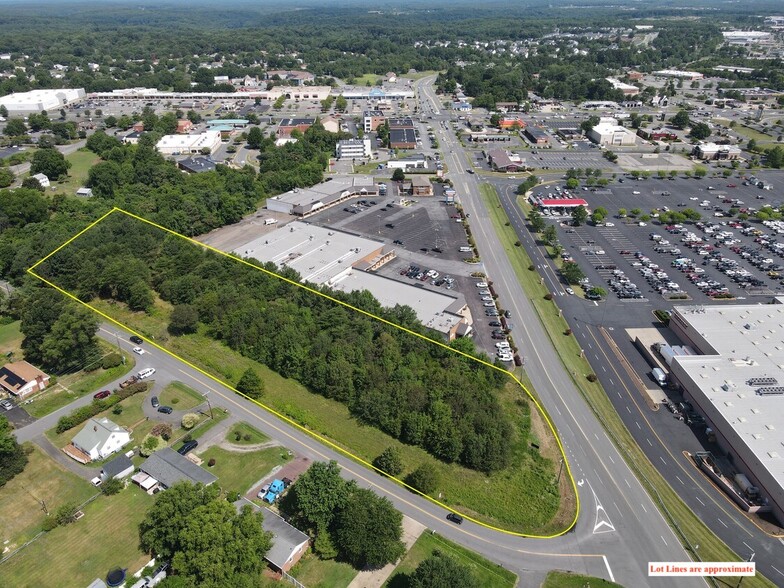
(38, 100)
(674, 73)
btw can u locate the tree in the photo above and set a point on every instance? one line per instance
(66, 514)
(440, 570)
(140, 296)
(424, 479)
(775, 157)
(700, 131)
(598, 291)
(341, 103)
(255, 138)
(587, 125)
(572, 183)
(184, 319)
(112, 485)
(550, 235)
(3, 111)
(700, 171)
(389, 461)
(750, 146)
(104, 178)
(251, 384)
(367, 530)
(398, 175)
(579, 215)
(681, 119)
(13, 459)
(7, 178)
(621, 213)
(572, 273)
(316, 496)
(536, 221)
(70, 344)
(15, 127)
(51, 163)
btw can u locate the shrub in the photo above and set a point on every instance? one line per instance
(175, 400)
(568, 332)
(117, 409)
(246, 436)
(111, 360)
(531, 267)
(237, 436)
(151, 444)
(49, 524)
(78, 416)
(187, 438)
(112, 486)
(548, 296)
(189, 420)
(66, 514)
(389, 461)
(211, 462)
(424, 478)
(162, 430)
(591, 377)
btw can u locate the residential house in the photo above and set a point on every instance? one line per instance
(120, 467)
(42, 179)
(132, 138)
(166, 467)
(97, 440)
(22, 379)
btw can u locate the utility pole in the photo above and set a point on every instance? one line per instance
(119, 349)
(560, 471)
(207, 398)
(751, 559)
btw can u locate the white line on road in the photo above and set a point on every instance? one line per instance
(679, 479)
(663, 539)
(605, 369)
(643, 507)
(627, 482)
(611, 459)
(778, 570)
(558, 410)
(619, 394)
(638, 425)
(628, 409)
(649, 441)
(700, 501)
(749, 546)
(609, 571)
(661, 458)
(722, 522)
(611, 382)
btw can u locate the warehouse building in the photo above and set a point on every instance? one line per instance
(675, 73)
(536, 136)
(344, 261)
(306, 201)
(612, 134)
(189, 144)
(627, 89)
(38, 100)
(737, 384)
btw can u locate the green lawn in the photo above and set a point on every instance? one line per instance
(106, 537)
(81, 162)
(238, 471)
(557, 579)
(488, 574)
(316, 573)
(180, 397)
(762, 139)
(73, 386)
(244, 429)
(10, 337)
(711, 547)
(44, 480)
(364, 79)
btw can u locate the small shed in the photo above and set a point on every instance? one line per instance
(119, 468)
(42, 179)
(85, 192)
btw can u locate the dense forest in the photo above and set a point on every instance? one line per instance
(418, 392)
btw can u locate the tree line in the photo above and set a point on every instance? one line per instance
(409, 388)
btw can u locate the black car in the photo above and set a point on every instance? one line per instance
(165, 409)
(186, 447)
(507, 314)
(455, 518)
(137, 340)
(154, 402)
(389, 226)
(494, 324)
(397, 242)
(436, 250)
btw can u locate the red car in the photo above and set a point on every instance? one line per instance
(731, 186)
(102, 394)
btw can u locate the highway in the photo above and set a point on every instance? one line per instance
(618, 518)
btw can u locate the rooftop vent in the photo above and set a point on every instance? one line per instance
(762, 381)
(771, 391)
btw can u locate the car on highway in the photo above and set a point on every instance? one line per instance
(102, 394)
(455, 518)
(165, 409)
(137, 340)
(470, 171)
(138, 350)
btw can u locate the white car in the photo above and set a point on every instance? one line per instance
(506, 358)
(569, 291)
(642, 224)
(503, 345)
(139, 350)
(636, 192)
(96, 481)
(481, 284)
(145, 373)
(609, 224)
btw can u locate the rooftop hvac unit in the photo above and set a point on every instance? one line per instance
(771, 391)
(762, 381)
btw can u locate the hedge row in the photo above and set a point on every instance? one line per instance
(78, 416)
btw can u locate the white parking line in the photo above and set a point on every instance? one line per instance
(778, 570)
(609, 571)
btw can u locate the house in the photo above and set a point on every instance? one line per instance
(84, 192)
(289, 544)
(288, 125)
(22, 379)
(184, 125)
(97, 440)
(402, 138)
(421, 186)
(196, 165)
(132, 138)
(504, 161)
(42, 179)
(120, 467)
(166, 467)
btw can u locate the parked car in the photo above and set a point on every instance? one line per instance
(154, 402)
(7, 404)
(102, 394)
(187, 446)
(145, 373)
(165, 409)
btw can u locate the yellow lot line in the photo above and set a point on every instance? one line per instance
(292, 422)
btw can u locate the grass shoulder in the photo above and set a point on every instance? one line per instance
(179, 396)
(556, 579)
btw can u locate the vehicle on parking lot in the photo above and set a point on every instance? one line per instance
(481, 284)
(165, 409)
(397, 242)
(491, 312)
(6, 404)
(102, 394)
(491, 304)
(470, 171)
(495, 324)
(569, 291)
(154, 402)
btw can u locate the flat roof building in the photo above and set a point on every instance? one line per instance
(288, 125)
(306, 201)
(675, 73)
(38, 100)
(536, 135)
(372, 119)
(502, 160)
(196, 165)
(354, 149)
(627, 89)
(737, 384)
(402, 138)
(189, 144)
(714, 152)
(611, 134)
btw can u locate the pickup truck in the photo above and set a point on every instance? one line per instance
(129, 381)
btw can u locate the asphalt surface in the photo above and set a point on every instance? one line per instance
(659, 435)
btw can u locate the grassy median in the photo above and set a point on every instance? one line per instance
(687, 526)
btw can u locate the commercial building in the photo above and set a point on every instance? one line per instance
(746, 37)
(659, 134)
(354, 149)
(402, 138)
(502, 160)
(343, 261)
(306, 201)
(511, 121)
(196, 165)
(607, 133)
(420, 185)
(372, 119)
(755, 94)
(288, 125)
(461, 106)
(234, 123)
(676, 73)
(415, 161)
(377, 94)
(299, 77)
(737, 384)
(627, 89)
(714, 152)
(536, 135)
(184, 126)
(22, 379)
(558, 204)
(38, 100)
(401, 123)
(189, 144)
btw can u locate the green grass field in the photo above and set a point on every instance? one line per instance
(316, 573)
(238, 471)
(763, 140)
(557, 579)
(73, 386)
(81, 162)
(180, 397)
(711, 547)
(43, 480)
(244, 429)
(106, 537)
(364, 79)
(10, 337)
(488, 574)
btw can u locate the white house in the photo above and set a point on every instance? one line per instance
(97, 440)
(42, 179)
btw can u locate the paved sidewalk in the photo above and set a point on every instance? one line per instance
(376, 578)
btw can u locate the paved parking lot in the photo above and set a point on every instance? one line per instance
(568, 159)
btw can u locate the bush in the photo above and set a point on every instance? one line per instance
(189, 420)
(49, 524)
(162, 430)
(591, 377)
(548, 296)
(117, 409)
(175, 400)
(151, 444)
(237, 436)
(66, 514)
(246, 437)
(424, 479)
(112, 486)
(211, 462)
(531, 268)
(389, 461)
(111, 360)
(80, 415)
(568, 332)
